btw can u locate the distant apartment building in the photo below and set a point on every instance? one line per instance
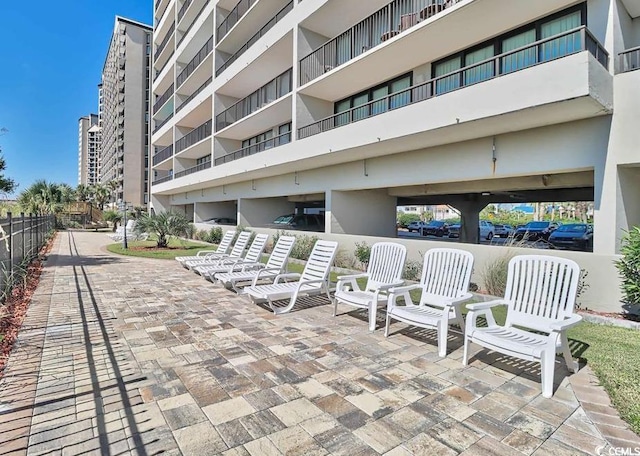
(266, 107)
(124, 111)
(88, 150)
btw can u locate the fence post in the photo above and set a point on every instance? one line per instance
(10, 244)
(22, 251)
(30, 234)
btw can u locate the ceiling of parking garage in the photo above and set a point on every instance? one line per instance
(523, 196)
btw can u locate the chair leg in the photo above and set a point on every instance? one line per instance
(386, 326)
(373, 310)
(547, 367)
(335, 307)
(443, 332)
(566, 351)
(465, 351)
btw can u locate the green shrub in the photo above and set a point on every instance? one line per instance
(412, 270)
(214, 236)
(404, 219)
(363, 253)
(629, 266)
(345, 260)
(191, 231)
(303, 246)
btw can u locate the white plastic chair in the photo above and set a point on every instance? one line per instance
(119, 233)
(444, 286)
(540, 296)
(235, 264)
(212, 258)
(384, 271)
(259, 272)
(313, 280)
(223, 248)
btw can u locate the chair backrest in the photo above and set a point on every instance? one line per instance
(241, 244)
(319, 263)
(256, 248)
(386, 264)
(280, 254)
(540, 289)
(446, 273)
(225, 242)
(131, 223)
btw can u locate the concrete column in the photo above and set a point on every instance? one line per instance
(262, 211)
(364, 212)
(470, 217)
(160, 203)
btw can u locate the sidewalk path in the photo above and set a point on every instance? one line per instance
(124, 355)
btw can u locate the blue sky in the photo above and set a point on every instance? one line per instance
(51, 58)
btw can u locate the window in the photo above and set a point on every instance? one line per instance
(563, 45)
(202, 160)
(521, 59)
(448, 83)
(480, 72)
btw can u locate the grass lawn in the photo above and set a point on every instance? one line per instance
(612, 352)
(146, 249)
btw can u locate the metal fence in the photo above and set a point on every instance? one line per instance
(21, 238)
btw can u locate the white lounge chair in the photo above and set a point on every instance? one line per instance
(118, 234)
(212, 258)
(252, 274)
(223, 247)
(231, 264)
(444, 286)
(313, 280)
(384, 271)
(540, 295)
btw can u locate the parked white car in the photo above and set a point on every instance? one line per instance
(416, 226)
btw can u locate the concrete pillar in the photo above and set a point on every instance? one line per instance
(262, 211)
(470, 208)
(160, 203)
(208, 210)
(364, 212)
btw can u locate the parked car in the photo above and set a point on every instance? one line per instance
(503, 231)
(416, 226)
(487, 230)
(221, 221)
(533, 231)
(574, 236)
(301, 222)
(436, 228)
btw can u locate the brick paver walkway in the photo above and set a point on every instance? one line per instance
(135, 356)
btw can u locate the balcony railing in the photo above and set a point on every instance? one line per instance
(270, 143)
(194, 136)
(183, 9)
(630, 60)
(195, 62)
(542, 51)
(271, 91)
(393, 19)
(193, 169)
(195, 19)
(234, 16)
(159, 125)
(194, 94)
(163, 154)
(160, 180)
(162, 45)
(163, 99)
(274, 20)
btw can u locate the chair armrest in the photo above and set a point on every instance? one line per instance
(290, 275)
(486, 305)
(352, 276)
(390, 286)
(566, 324)
(309, 282)
(399, 290)
(204, 252)
(273, 270)
(460, 300)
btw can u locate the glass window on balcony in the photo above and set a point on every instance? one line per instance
(283, 83)
(564, 45)
(342, 107)
(448, 83)
(402, 96)
(521, 59)
(482, 72)
(380, 102)
(284, 131)
(360, 107)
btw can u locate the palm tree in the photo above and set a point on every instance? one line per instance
(164, 225)
(113, 186)
(41, 198)
(101, 194)
(82, 193)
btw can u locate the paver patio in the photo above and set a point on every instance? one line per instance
(122, 355)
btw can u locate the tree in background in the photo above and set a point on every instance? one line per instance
(112, 185)
(101, 194)
(164, 225)
(42, 198)
(6, 185)
(82, 193)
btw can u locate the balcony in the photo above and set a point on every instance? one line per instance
(183, 9)
(538, 53)
(163, 99)
(271, 91)
(193, 169)
(202, 54)
(190, 17)
(233, 17)
(260, 33)
(194, 136)
(161, 180)
(270, 143)
(164, 154)
(629, 60)
(160, 124)
(395, 18)
(166, 39)
(194, 94)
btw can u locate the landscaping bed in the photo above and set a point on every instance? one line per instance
(148, 249)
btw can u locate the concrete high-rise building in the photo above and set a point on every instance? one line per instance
(88, 150)
(124, 108)
(269, 107)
